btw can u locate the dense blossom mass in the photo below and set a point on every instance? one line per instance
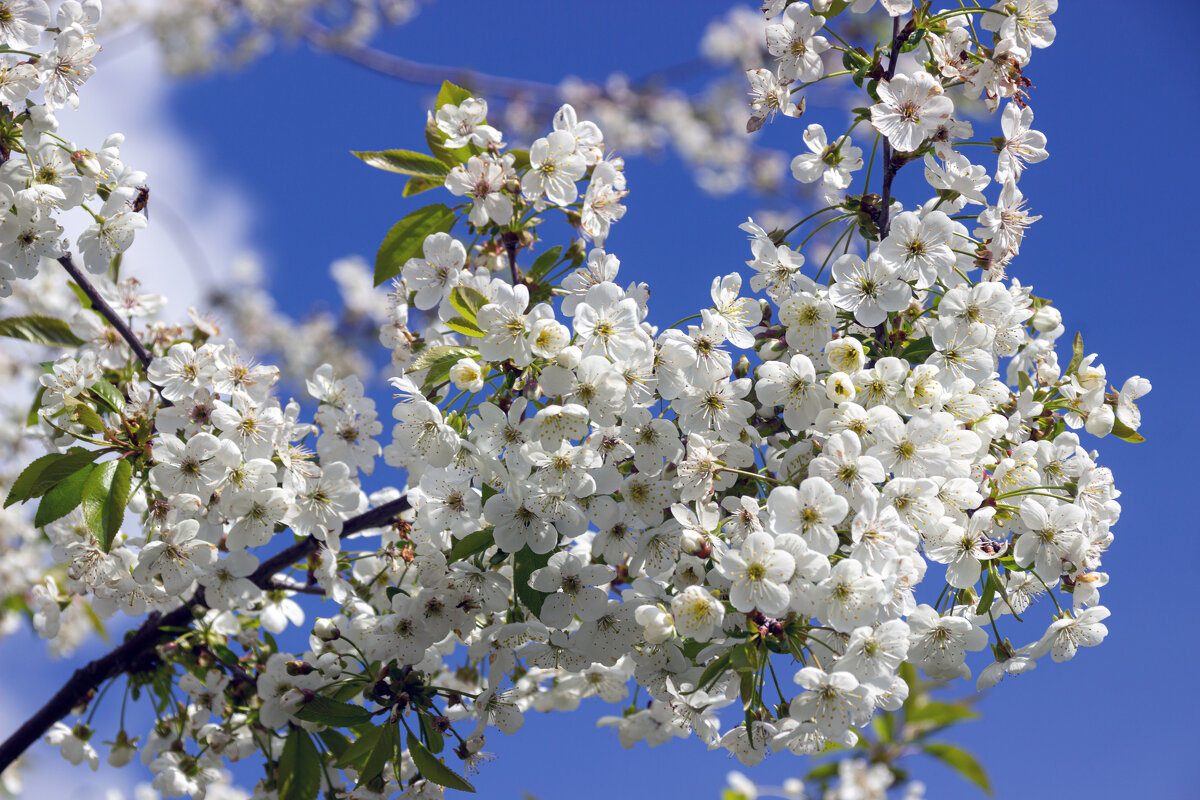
(859, 464)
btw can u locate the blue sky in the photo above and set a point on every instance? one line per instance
(1114, 249)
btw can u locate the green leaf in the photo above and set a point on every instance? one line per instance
(63, 497)
(988, 595)
(406, 239)
(433, 770)
(469, 545)
(451, 95)
(299, 767)
(543, 263)
(84, 414)
(360, 749)
(417, 185)
(937, 714)
(40, 330)
(713, 672)
(385, 750)
(747, 690)
(47, 471)
(917, 350)
(438, 360)
(1123, 431)
(822, 772)
(109, 395)
(104, 497)
(913, 41)
(433, 737)
(331, 712)
(520, 159)
(1076, 355)
(465, 327)
(526, 561)
(467, 301)
(404, 162)
(335, 742)
(961, 762)
(84, 300)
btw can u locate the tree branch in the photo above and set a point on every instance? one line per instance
(156, 630)
(101, 305)
(889, 169)
(427, 74)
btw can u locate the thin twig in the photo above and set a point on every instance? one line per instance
(428, 74)
(101, 305)
(160, 628)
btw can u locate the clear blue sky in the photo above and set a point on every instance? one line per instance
(1114, 249)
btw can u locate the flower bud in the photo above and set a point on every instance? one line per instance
(1100, 421)
(295, 668)
(86, 163)
(742, 368)
(1046, 319)
(771, 350)
(325, 630)
(658, 624)
(569, 357)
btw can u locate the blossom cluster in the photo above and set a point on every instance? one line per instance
(838, 474)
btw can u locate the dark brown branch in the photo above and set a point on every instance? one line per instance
(428, 74)
(157, 630)
(101, 305)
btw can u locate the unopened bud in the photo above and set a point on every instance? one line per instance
(742, 368)
(86, 163)
(325, 630)
(296, 668)
(569, 357)
(1100, 422)
(1046, 319)
(771, 350)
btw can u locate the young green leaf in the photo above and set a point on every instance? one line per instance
(451, 95)
(543, 263)
(335, 742)
(331, 712)
(470, 544)
(434, 770)
(416, 185)
(299, 767)
(104, 497)
(1123, 431)
(385, 749)
(357, 753)
(40, 330)
(438, 360)
(467, 301)
(406, 239)
(405, 162)
(465, 327)
(63, 497)
(961, 762)
(526, 561)
(936, 714)
(1076, 355)
(35, 480)
(109, 395)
